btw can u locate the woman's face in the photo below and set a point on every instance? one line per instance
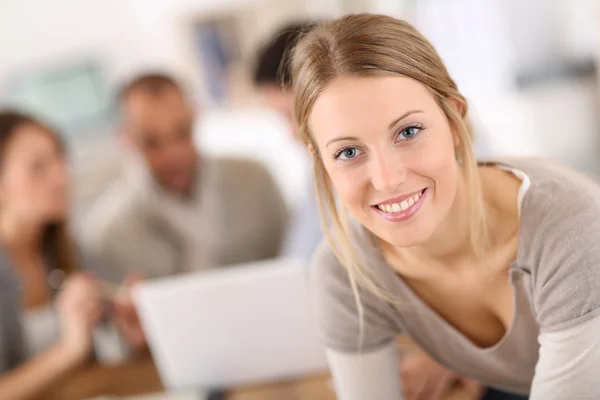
(390, 154)
(33, 176)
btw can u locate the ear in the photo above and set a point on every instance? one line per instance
(458, 107)
(311, 151)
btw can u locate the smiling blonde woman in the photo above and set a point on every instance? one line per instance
(492, 268)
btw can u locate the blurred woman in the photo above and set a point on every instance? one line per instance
(492, 268)
(48, 307)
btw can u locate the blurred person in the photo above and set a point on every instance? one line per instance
(272, 78)
(272, 70)
(493, 268)
(49, 308)
(177, 210)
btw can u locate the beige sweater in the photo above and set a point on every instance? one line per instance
(238, 215)
(552, 348)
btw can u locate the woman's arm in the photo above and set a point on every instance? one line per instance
(569, 363)
(79, 309)
(371, 375)
(362, 354)
(34, 377)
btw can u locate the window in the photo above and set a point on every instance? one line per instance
(73, 98)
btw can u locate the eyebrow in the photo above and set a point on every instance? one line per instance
(339, 139)
(391, 126)
(406, 114)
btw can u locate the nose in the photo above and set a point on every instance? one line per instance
(387, 173)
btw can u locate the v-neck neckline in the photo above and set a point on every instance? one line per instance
(513, 274)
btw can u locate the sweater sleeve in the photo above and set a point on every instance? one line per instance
(337, 311)
(363, 366)
(371, 375)
(566, 282)
(566, 299)
(568, 364)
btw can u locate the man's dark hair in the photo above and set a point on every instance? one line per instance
(154, 84)
(272, 66)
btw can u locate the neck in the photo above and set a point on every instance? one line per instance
(185, 194)
(451, 245)
(189, 192)
(20, 235)
(452, 239)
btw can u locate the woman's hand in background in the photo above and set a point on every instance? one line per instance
(125, 315)
(80, 308)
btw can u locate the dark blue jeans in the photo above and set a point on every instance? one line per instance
(496, 395)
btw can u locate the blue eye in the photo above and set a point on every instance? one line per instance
(409, 132)
(347, 154)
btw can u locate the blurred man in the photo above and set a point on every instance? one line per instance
(176, 210)
(272, 78)
(272, 75)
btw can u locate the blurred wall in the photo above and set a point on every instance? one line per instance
(126, 35)
(38, 32)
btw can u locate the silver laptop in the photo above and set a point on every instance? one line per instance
(232, 326)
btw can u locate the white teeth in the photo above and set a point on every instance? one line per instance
(404, 205)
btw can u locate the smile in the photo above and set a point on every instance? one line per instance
(401, 208)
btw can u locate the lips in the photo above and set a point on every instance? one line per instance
(401, 208)
(401, 203)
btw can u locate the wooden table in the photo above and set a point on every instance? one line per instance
(313, 388)
(137, 377)
(141, 377)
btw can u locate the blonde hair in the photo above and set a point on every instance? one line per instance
(376, 45)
